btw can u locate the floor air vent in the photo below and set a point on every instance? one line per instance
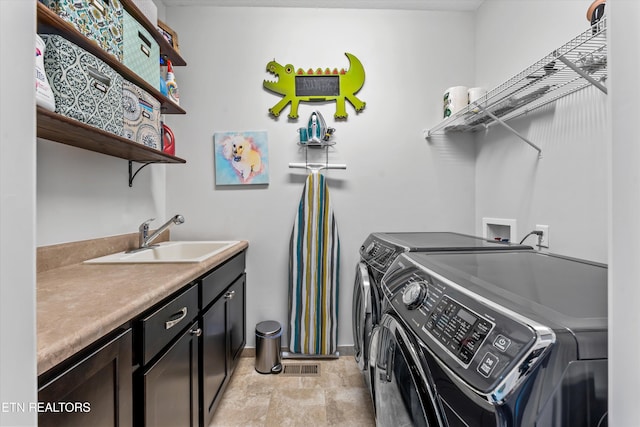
(301, 370)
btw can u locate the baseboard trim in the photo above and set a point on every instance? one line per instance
(344, 350)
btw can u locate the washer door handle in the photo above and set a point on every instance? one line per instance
(389, 364)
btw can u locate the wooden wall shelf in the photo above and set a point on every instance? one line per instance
(58, 128)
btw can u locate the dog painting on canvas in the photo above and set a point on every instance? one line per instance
(243, 154)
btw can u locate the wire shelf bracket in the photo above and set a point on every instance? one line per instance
(510, 129)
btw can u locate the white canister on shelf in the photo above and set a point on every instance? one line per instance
(455, 99)
(475, 93)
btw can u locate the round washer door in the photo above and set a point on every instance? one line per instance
(402, 390)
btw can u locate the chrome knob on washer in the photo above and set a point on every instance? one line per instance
(413, 295)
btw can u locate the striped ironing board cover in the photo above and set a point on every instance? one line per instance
(314, 260)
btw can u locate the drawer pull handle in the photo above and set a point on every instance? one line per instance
(171, 323)
(197, 332)
(229, 294)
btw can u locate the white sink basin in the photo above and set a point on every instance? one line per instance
(167, 252)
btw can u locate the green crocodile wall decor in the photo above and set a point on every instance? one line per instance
(318, 85)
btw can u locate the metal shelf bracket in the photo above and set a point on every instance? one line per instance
(132, 174)
(509, 128)
(583, 74)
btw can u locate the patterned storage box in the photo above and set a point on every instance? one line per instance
(84, 87)
(141, 116)
(99, 20)
(141, 51)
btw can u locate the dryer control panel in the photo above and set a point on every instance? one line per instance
(484, 344)
(378, 254)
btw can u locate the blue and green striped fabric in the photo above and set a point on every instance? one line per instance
(314, 260)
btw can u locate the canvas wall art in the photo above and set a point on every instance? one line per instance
(241, 157)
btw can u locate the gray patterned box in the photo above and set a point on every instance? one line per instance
(85, 88)
(141, 116)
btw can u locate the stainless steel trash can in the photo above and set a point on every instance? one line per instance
(268, 356)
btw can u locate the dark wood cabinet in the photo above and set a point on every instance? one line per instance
(214, 354)
(223, 339)
(169, 369)
(236, 317)
(92, 389)
(169, 387)
(166, 343)
(223, 331)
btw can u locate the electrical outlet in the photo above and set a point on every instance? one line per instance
(544, 241)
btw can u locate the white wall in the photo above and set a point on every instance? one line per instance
(567, 188)
(624, 202)
(17, 214)
(85, 195)
(395, 180)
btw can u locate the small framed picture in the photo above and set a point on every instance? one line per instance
(169, 35)
(241, 157)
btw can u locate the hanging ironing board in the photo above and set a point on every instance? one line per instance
(314, 261)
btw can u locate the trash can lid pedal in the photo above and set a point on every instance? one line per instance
(268, 327)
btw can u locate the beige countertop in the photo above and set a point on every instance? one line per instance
(80, 303)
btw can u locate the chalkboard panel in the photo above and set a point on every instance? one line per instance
(318, 86)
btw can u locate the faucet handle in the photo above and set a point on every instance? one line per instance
(144, 232)
(147, 222)
(145, 225)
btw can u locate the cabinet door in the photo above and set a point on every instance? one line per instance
(94, 391)
(236, 310)
(214, 355)
(171, 384)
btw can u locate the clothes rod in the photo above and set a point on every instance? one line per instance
(317, 166)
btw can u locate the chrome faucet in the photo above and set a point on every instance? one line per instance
(145, 240)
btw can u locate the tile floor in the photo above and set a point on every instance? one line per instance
(338, 397)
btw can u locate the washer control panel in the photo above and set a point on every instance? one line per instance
(475, 338)
(460, 330)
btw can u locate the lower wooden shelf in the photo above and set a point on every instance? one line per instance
(65, 130)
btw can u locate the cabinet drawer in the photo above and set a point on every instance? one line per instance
(160, 327)
(217, 281)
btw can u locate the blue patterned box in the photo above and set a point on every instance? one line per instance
(99, 20)
(141, 116)
(85, 88)
(141, 51)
